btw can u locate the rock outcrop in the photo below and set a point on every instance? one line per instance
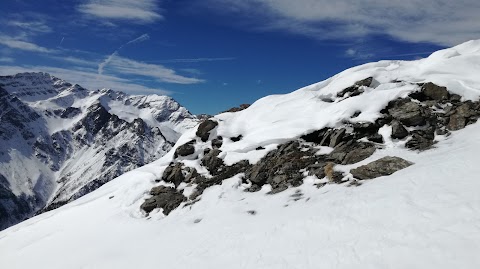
(381, 167)
(417, 119)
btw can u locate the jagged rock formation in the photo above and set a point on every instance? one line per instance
(60, 141)
(417, 120)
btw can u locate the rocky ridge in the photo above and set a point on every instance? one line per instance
(60, 141)
(415, 122)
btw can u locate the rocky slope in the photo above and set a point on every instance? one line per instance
(60, 141)
(375, 167)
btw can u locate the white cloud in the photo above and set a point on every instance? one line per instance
(14, 43)
(139, 39)
(7, 59)
(350, 52)
(31, 26)
(137, 11)
(87, 78)
(442, 22)
(160, 73)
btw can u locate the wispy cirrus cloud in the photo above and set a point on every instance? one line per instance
(15, 43)
(429, 21)
(196, 60)
(136, 11)
(107, 60)
(158, 72)
(125, 66)
(7, 59)
(31, 26)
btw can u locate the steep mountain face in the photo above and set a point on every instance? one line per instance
(60, 141)
(373, 168)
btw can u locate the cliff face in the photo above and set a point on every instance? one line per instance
(61, 141)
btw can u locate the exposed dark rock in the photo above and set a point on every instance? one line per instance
(356, 114)
(173, 173)
(166, 198)
(376, 138)
(381, 167)
(408, 113)
(365, 129)
(211, 161)
(239, 108)
(356, 89)
(281, 168)
(236, 138)
(456, 122)
(217, 142)
(351, 152)
(421, 140)
(70, 112)
(454, 98)
(185, 149)
(204, 129)
(431, 91)
(337, 137)
(398, 130)
(435, 92)
(327, 137)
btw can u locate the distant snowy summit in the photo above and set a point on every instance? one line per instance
(60, 141)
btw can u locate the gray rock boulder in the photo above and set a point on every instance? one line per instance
(211, 161)
(204, 129)
(435, 92)
(398, 130)
(185, 149)
(381, 167)
(166, 198)
(408, 113)
(351, 152)
(173, 174)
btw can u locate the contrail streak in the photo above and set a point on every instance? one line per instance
(139, 39)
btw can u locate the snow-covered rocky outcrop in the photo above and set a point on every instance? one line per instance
(60, 141)
(375, 167)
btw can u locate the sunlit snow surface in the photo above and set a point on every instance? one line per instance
(425, 216)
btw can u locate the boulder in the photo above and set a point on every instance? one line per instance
(164, 197)
(185, 149)
(281, 168)
(351, 152)
(357, 88)
(337, 137)
(205, 128)
(420, 141)
(456, 122)
(435, 92)
(409, 113)
(398, 130)
(211, 161)
(217, 142)
(381, 167)
(173, 174)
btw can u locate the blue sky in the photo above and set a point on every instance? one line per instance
(211, 55)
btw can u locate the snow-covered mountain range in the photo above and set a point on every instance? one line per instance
(60, 141)
(376, 167)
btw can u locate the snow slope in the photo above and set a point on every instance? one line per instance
(424, 216)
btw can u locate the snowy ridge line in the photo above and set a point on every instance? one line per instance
(61, 141)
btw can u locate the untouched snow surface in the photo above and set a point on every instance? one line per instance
(425, 216)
